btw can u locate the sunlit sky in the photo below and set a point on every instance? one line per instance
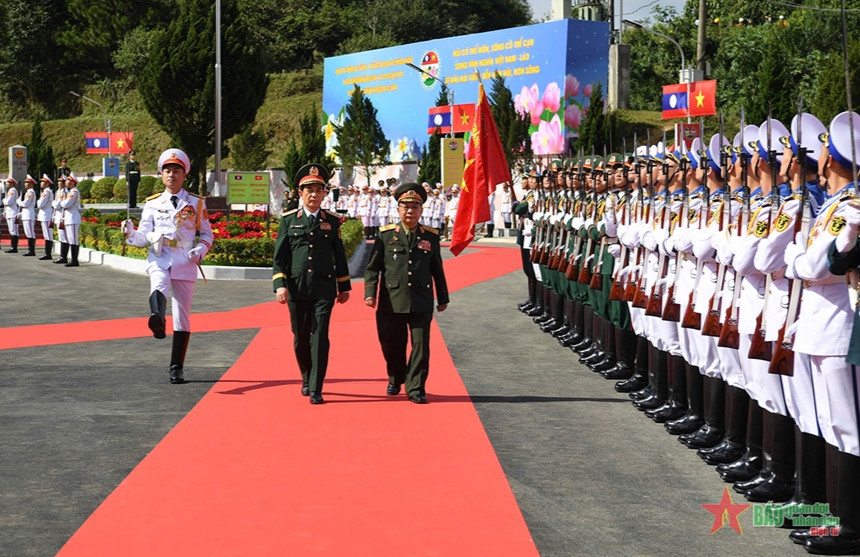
(633, 9)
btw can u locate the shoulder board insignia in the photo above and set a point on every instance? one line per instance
(194, 195)
(288, 213)
(836, 225)
(153, 196)
(333, 214)
(430, 230)
(387, 227)
(782, 222)
(761, 228)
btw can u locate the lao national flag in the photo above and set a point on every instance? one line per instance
(97, 143)
(703, 98)
(675, 101)
(439, 120)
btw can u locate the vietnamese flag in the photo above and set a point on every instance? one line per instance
(675, 101)
(121, 142)
(464, 117)
(485, 168)
(703, 98)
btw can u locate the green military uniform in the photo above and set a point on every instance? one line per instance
(310, 262)
(404, 267)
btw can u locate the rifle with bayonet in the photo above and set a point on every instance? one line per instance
(640, 298)
(596, 282)
(672, 311)
(654, 306)
(584, 273)
(616, 293)
(693, 319)
(711, 327)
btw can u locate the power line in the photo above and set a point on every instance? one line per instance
(814, 8)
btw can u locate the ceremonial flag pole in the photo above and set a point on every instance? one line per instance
(486, 167)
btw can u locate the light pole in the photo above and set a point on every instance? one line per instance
(100, 105)
(217, 186)
(683, 78)
(449, 94)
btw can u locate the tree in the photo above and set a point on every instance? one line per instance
(40, 155)
(594, 131)
(311, 147)
(361, 141)
(248, 149)
(178, 83)
(831, 98)
(513, 127)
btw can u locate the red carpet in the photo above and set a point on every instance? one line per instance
(254, 469)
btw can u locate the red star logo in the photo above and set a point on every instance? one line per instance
(726, 509)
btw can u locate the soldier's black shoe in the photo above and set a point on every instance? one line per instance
(743, 487)
(156, 325)
(157, 308)
(542, 318)
(607, 363)
(595, 357)
(724, 453)
(634, 384)
(560, 332)
(800, 536)
(393, 390)
(12, 250)
(305, 390)
(72, 264)
(29, 254)
(418, 399)
(686, 424)
(652, 402)
(620, 371)
(833, 545)
(644, 392)
(743, 469)
(669, 411)
(525, 306)
(550, 325)
(176, 375)
(584, 343)
(705, 436)
(316, 398)
(535, 311)
(771, 490)
(44, 257)
(61, 260)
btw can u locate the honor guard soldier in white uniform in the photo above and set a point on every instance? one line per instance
(45, 204)
(71, 205)
(175, 226)
(11, 212)
(62, 191)
(27, 206)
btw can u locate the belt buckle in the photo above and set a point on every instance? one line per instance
(170, 243)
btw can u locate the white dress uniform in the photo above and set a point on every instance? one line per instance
(71, 205)
(170, 233)
(382, 209)
(27, 213)
(58, 214)
(507, 206)
(45, 205)
(11, 211)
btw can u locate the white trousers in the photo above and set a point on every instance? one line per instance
(181, 292)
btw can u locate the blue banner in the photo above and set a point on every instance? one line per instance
(550, 68)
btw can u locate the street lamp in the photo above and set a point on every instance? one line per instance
(449, 94)
(100, 105)
(684, 78)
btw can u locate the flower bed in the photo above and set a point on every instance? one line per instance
(240, 241)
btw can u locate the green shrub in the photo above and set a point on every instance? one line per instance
(120, 190)
(144, 188)
(85, 187)
(351, 232)
(103, 189)
(241, 252)
(108, 239)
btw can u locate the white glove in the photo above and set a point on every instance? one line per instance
(576, 223)
(197, 253)
(683, 240)
(630, 237)
(667, 246)
(792, 252)
(153, 237)
(127, 228)
(614, 250)
(725, 254)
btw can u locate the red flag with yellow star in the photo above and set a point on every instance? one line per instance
(486, 167)
(703, 98)
(121, 142)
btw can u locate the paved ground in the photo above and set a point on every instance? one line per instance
(592, 475)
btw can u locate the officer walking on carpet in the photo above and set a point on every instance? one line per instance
(310, 272)
(405, 263)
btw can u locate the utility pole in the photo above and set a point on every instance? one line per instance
(700, 39)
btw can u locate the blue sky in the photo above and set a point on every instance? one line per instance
(633, 9)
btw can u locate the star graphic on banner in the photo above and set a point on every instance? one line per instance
(120, 143)
(726, 509)
(464, 119)
(700, 100)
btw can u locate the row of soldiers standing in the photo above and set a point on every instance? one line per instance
(61, 209)
(716, 284)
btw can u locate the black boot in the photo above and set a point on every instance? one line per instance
(490, 228)
(177, 356)
(625, 349)
(554, 321)
(597, 351)
(31, 248)
(14, 248)
(157, 308)
(847, 542)
(587, 330)
(658, 365)
(676, 403)
(749, 465)
(49, 247)
(693, 419)
(733, 445)
(74, 260)
(639, 379)
(64, 251)
(713, 430)
(611, 349)
(779, 486)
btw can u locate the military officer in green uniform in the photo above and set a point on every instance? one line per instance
(310, 273)
(405, 263)
(132, 178)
